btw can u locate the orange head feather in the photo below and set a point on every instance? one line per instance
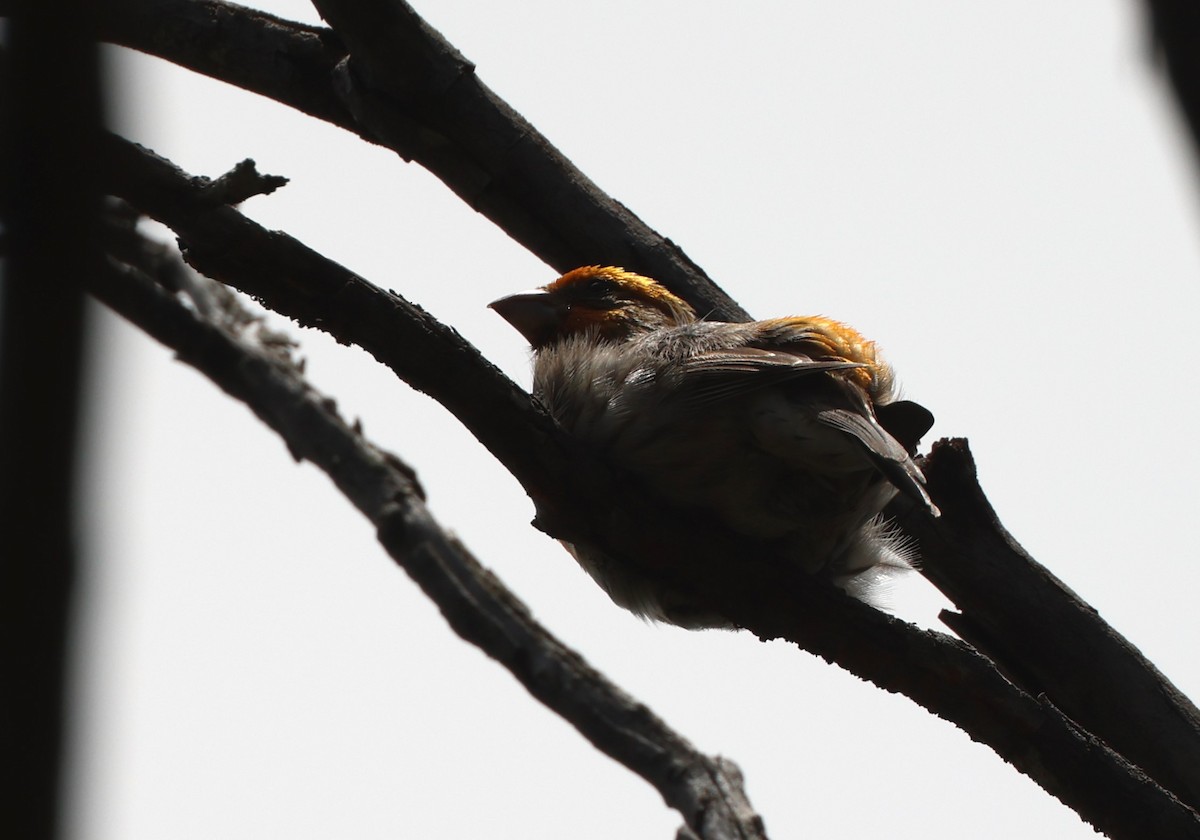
(605, 302)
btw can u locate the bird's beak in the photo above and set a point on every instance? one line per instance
(536, 314)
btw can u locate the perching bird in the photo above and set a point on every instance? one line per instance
(785, 430)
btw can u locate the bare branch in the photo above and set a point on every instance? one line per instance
(1045, 638)
(575, 497)
(242, 182)
(706, 790)
(295, 280)
(280, 59)
(409, 90)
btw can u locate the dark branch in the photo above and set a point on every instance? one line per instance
(242, 182)
(317, 292)
(1061, 647)
(280, 59)
(706, 790)
(575, 497)
(409, 90)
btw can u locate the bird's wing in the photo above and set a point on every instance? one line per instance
(889, 433)
(714, 376)
(887, 453)
(732, 372)
(759, 359)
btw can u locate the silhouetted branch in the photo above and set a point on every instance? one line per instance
(706, 790)
(1044, 636)
(408, 89)
(295, 280)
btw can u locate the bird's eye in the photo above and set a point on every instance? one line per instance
(600, 294)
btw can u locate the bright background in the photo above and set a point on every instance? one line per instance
(997, 192)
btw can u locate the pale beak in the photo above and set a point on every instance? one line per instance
(536, 314)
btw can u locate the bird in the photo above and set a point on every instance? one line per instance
(787, 430)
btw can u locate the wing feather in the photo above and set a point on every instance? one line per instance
(888, 454)
(736, 371)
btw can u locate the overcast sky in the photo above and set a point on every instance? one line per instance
(998, 193)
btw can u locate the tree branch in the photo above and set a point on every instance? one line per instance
(317, 292)
(581, 500)
(706, 790)
(1045, 638)
(408, 89)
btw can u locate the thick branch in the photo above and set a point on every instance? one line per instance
(707, 791)
(286, 61)
(1061, 648)
(404, 87)
(575, 497)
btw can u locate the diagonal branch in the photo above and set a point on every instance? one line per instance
(317, 292)
(408, 89)
(1062, 647)
(706, 790)
(575, 497)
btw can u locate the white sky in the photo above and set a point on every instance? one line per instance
(996, 192)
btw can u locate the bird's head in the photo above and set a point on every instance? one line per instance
(608, 303)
